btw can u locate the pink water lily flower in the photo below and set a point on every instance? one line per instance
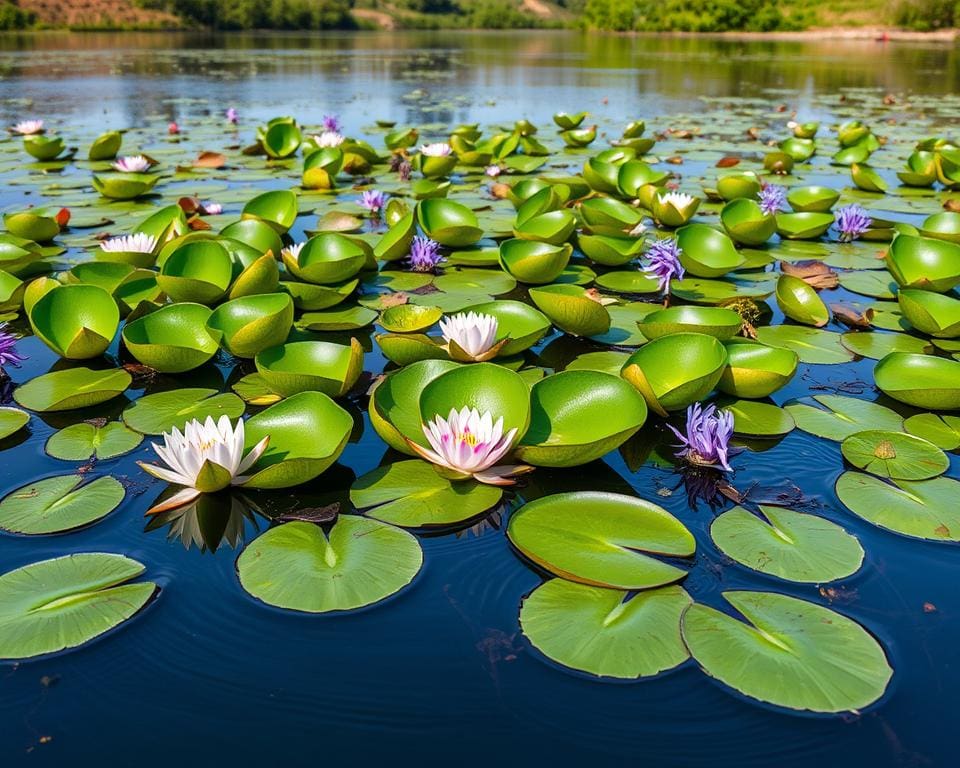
(206, 457)
(437, 149)
(212, 208)
(329, 139)
(468, 444)
(133, 164)
(28, 127)
(471, 336)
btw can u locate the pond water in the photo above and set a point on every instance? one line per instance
(441, 672)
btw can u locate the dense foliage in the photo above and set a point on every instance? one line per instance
(259, 14)
(13, 17)
(928, 14)
(684, 15)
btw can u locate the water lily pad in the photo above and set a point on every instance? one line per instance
(307, 432)
(162, 411)
(943, 431)
(12, 420)
(932, 313)
(358, 563)
(59, 504)
(924, 262)
(718, 322)
(533, 262)
(479, 281)
(76, 321)
(756, 370)
(625, 324)
(278, 208)
(877, 344)
(83, 441)
(197, 271)
(787, 544)
(707, 252)
(346, 318)
(412, 494)
(792, 653)
(836, 417)
(924, 509)
(173, 339)
(800, 302)
(923, 381)
(754, 419)
(449, 223)
(305, 366)
(676, 370)
(812, 345)
(409, 318)
(251, 324)
(73, 388)
(894, 454)
(63, 603)
(606, 632)
(578, 416)
(601, 539)
(571, 309)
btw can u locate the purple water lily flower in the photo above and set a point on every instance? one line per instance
(707, 438)
(773, 199)
(8, 352)
(852, 221)
(424, 254)
(663, 262)
(373, 200)
(232, 116)
(332, 124)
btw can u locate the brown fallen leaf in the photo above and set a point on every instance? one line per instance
(728, 162)
(674, 160)
(394, 299)
(889, 99)
(312, 514)
(500, 191)
(850, 317)
(210, 160)
(594, 295)
(196, 224)
(753, 133)
(952, 204)
(782, 108)
(815, 273)
(190, 204)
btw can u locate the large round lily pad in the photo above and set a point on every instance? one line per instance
(85, 440)
(788, 652)
(925, 509)
(65, 602)
(161, 412)
(606, 632)
(72, 388)
(791, 545)
(301, 567)
(894, 454)
(836, 417)
(603, 539)
(59, 504)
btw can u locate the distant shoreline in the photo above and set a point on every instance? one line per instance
(878, 34)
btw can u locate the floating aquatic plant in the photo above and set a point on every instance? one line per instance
(424, 254)
(471, 336)
(469, 444)
(132, 164)
(205, 457)
(663, 262)
(705, 440)
(773, 199)
(852, 222)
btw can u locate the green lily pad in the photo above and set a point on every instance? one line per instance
(786, 544)
(894, 454)
(577, 417)
(12, 420)
(718, 322)
(756, 370)
(924, 262)
(571, 309)
(358, 563)
(346, 318)
(161, 412)
(923, 381)
(792, 653)
(877, 344)
(59, 504)
(601, 539)
(311, 366)
(943, 431)
(812, 345)
(800, 302)
(174, 339)
(83, 441)
(63, 603)
(73, 388)
(409, 318)
(412, 494)
(307, 432)
(251, 324)
(606, 632)
(675, 371)
(707, 252)
(449, 223)
(76, 321)
(836, 417)
(924, 509)
(755, 419)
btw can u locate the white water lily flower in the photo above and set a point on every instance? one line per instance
(678, 200)
(293, 251)
(138, 243)
(329, 139)
(133, 164)
(438, 149)
(28, 127)
(204, 458)
(473, 333)
(469, 445)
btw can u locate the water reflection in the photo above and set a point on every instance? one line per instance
(211, 521)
